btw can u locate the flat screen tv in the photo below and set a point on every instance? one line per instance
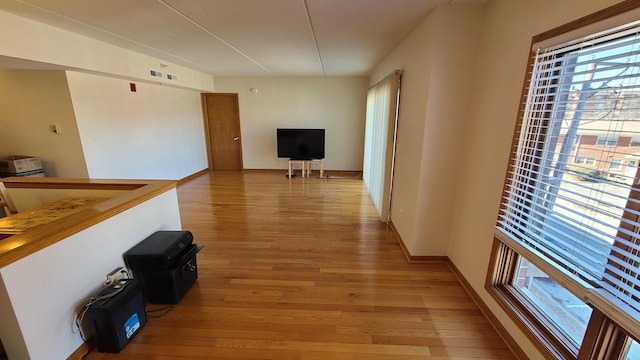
(300, 144)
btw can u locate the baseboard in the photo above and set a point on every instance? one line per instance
(80, 352)
(504, 334)
(192, 176)
(329, 174)
(315, 171)
(410, 258)
(265, 171)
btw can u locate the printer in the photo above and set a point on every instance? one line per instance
(166, 263)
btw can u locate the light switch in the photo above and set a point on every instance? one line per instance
(56, 129)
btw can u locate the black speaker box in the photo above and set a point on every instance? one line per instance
(117, 316)
(166, 263)
(168, 286)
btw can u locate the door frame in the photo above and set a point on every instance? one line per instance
(207, 130)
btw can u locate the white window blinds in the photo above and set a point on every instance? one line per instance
(572, 189)
(379, 141)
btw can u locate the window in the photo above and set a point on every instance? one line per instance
(588, 160)
(380, 141)
(568, 313)
(634, 351)
(605, 141)
(616, 164)
(635, 142)
(566, 263)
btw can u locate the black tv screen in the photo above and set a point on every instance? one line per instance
(300, 144)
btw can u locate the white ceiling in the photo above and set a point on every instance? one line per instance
(244, 37)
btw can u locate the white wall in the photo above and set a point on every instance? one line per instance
(455, 44)
(31, 102)
(499, 69)
(156, 132)
(23, 38)
(110, 119)
(39, 294)
(435, 89)
(336, 104)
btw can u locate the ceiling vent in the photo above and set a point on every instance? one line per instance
(155, 74)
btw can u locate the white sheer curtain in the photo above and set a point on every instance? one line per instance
(379, 141)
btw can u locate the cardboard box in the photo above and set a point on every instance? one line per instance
(17, 165)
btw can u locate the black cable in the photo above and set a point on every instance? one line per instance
(165, 310)
(79, 319)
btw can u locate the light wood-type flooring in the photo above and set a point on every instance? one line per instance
(304, 269)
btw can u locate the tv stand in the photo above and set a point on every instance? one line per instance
(310, 162)
(305, 165)
(292, 162)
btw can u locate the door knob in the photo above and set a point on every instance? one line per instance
(236, 138)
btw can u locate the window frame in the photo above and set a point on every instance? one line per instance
(605, 141)
(634, 142)
(619, 164)
(503, 269)
(585, 160)
(603, 339)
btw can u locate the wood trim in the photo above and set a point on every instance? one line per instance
(410, 258)
(80, 352)
(6, 202)
(237, 97)
(573, 284)
(626, 319)
(502, 331)
(497, 273)
(207, 131)
(193, 176)
(20, 246)
(395, 233)
(528, 319)
(336, 173)
(486, 311)
(63, 183)
(205, 117)
(282, 171)
(493, 320)
(603, 14)
(518, 127)
(603, 340)
(527, 323)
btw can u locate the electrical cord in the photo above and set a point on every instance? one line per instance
(98, 296)
(165, 310)
(80, 316)
(359, 176)
(79, 319)
(122, 271)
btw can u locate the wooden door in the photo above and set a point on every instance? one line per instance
(222, 127)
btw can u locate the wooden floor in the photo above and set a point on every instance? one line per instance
(303, 269)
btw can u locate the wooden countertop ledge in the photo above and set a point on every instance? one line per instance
(19, 246)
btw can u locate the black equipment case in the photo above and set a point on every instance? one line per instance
(166, 263)
(117, 315)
